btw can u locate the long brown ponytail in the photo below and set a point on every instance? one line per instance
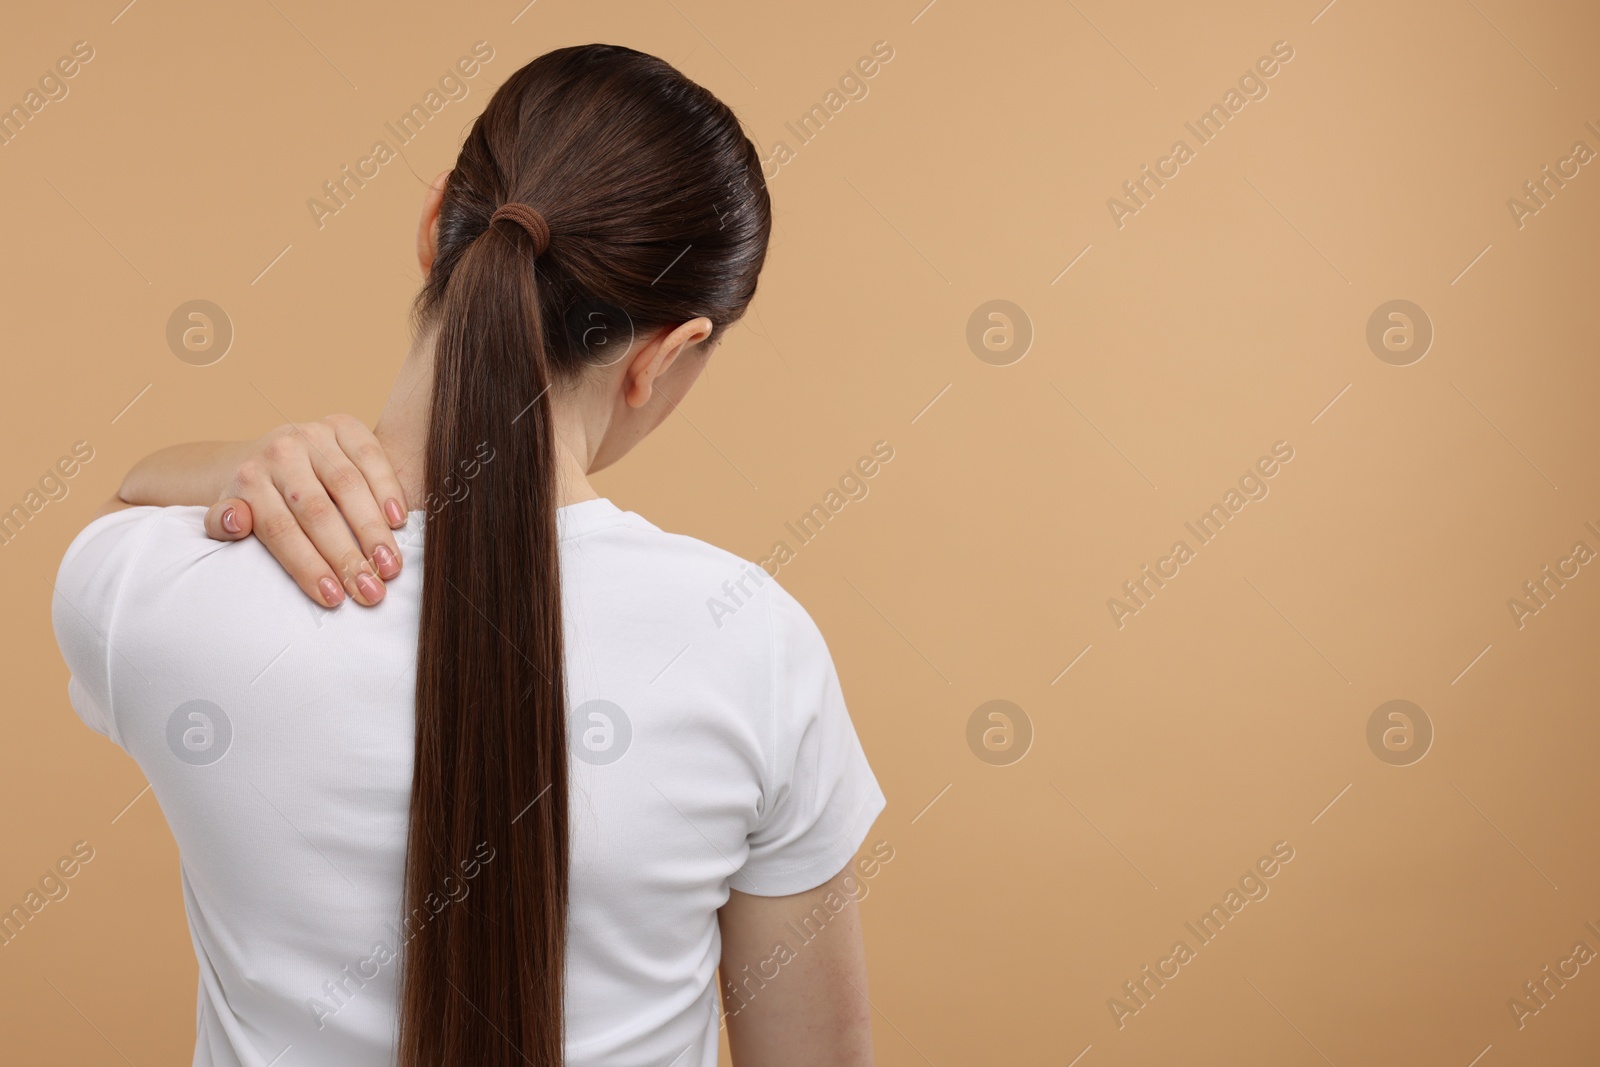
(658, 214)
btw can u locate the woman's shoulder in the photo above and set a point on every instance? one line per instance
(133, 557)
(113, 541)
(722, 590)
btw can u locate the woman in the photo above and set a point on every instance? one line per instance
(521, 811)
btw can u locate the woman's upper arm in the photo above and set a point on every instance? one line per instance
(790, 1002)
(88, 586)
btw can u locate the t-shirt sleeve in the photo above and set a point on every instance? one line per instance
(821, 797)
(87, 590)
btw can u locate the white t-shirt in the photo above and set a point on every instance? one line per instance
(710, 749)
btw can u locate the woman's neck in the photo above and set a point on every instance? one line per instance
(402, 430)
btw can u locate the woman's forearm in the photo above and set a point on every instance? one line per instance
(194, 473)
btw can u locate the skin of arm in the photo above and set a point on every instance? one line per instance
(814, 1009)
(193, 473)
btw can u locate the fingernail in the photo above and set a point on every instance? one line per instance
(369, 588)
(388, 566)
(397, 514)
(332, 595)
(230, 522)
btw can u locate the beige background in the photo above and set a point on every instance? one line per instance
(1228, 715)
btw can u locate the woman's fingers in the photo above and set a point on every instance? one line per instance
(362, 489)
(313, 510)
(278, 529)
(358, 442)
(325, 500)
(229, 520)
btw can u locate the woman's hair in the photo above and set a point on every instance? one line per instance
(658, 214)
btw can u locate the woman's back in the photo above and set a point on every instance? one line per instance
(709, 749)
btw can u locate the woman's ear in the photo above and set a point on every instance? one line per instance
(428, 223)
(657, 357)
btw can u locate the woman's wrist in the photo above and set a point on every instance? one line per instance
(196, 472)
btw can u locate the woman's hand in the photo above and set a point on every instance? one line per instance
(301, 489)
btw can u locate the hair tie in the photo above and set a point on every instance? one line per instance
(529, 219)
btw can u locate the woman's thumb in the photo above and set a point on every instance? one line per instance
(228, 520)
